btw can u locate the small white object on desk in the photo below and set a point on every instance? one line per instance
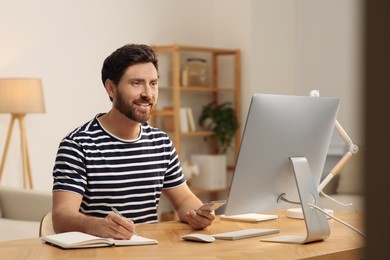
(199, 238)
(297, 213)
(250, 217)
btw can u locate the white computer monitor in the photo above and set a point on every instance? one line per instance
(279, 127)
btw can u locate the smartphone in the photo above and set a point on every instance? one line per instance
(212, 205)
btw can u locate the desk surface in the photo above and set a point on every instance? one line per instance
(342, 242)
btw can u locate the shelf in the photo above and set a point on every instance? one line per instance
(206, 89)
(197, 133)
(205, 191)
(224, 85)
(213, 193)
(187, 48)
(164, 112)
(216, 88)
(199, 89)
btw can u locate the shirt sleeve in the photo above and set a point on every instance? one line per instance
(69, 172)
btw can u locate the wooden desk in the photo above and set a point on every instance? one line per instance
(343, 243)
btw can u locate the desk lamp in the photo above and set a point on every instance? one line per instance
(20, 96)
(353, 149)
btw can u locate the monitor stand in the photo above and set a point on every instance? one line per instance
(317, 226)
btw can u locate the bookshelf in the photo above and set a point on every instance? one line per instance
(224, 85)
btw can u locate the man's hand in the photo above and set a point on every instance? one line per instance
(115, 226)
(66, 217)
(185, 201)
(200, 219)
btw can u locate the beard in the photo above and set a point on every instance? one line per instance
(131, 111)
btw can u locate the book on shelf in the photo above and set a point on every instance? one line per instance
(184, 125)
(187, 122)
(191, 121)
(68, 240)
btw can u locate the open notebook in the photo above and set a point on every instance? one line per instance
(69, 240)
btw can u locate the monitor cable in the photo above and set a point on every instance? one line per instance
(338, 202)
(283, 198)
(337, 219)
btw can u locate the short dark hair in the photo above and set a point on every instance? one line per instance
(115, 65)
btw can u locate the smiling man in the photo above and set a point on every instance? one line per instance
(118, 161)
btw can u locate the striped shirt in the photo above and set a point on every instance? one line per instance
(110, 172)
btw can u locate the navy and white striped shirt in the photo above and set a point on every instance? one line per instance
(110, 172)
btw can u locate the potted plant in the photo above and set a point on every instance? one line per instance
(222, 120)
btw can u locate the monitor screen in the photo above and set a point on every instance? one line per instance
(279, 127)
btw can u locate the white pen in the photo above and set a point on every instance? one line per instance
(118, 213)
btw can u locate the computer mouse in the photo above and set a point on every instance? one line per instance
(199, 238)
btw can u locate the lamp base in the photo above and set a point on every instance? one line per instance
(27, 178)
(298, 214)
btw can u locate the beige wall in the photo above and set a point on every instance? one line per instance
(330, 56)
(64, 43)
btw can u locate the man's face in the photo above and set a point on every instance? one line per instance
(137, 92)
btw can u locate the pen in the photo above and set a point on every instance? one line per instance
(118, 213)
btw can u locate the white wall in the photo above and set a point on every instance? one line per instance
(65, 43)
(303, 45)
(330, 46)
(274, 47)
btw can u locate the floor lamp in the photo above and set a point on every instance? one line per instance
(19, 97)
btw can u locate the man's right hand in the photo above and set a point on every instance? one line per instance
(66, 217)
(115, 226)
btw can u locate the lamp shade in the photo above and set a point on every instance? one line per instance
(21, 96)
